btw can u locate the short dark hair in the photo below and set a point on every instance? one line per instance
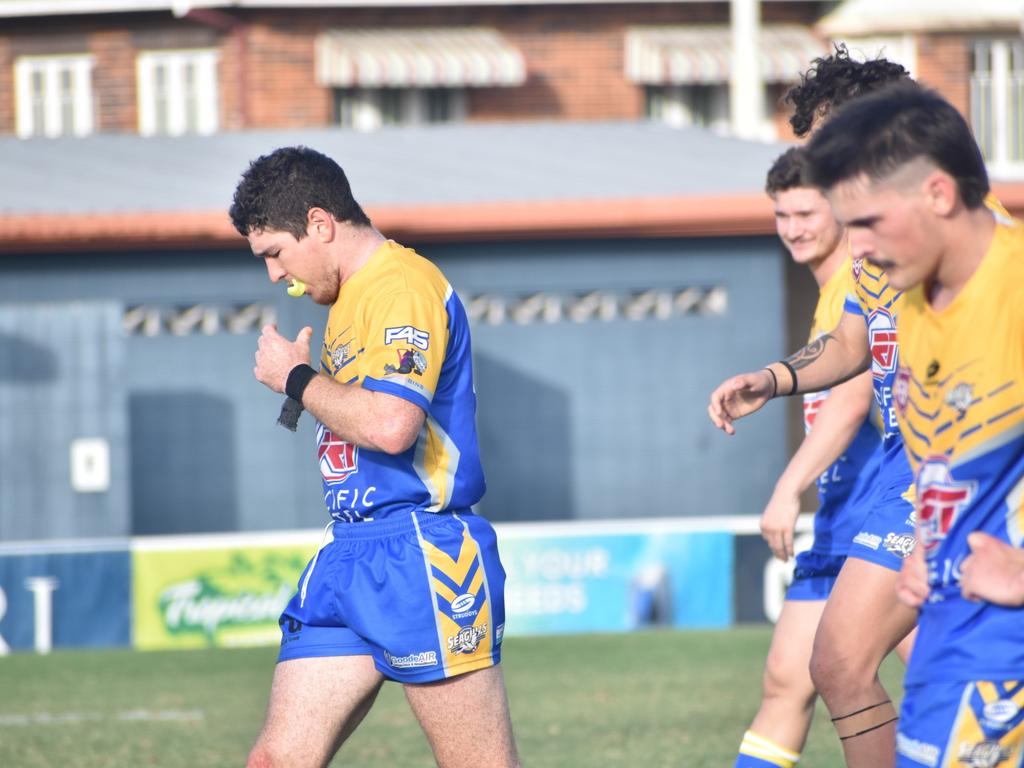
(277, 191)
(789, 171)
(877, 134)
(834, 80)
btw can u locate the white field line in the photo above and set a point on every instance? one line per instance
(133, 715)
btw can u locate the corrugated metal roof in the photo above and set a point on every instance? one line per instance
(437, 165)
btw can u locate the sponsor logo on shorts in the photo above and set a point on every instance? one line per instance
(468, 639)
(421, 659)
(998, 713)
(409, 334)
(869, 540)
(985, 754)
(463, 603)
(918, 751)
(960, 397)
(499, 632)
(901, 544)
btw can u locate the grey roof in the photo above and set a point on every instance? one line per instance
(467, 163)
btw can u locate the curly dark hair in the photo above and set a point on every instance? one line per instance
(277, 191)
(835, 79)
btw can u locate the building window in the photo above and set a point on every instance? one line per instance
(705, 105)
(178, 92)
(997, 103)
(54, 95)
(366, 109)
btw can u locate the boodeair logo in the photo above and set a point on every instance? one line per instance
(420, 659)
(245, 594)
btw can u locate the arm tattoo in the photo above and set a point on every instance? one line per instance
(810, 353)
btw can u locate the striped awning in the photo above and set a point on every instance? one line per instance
(417, 58)
(702, 54)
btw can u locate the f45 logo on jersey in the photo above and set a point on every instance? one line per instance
(882, 336)
(338, 459)
(407, 333)
(940, 500)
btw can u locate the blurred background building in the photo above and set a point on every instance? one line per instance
(588, 174)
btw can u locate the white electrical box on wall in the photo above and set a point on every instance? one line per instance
(90, 465)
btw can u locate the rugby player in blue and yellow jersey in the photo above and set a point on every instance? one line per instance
(839, 453)
(862, 621)
(409, 586)
(903, 172)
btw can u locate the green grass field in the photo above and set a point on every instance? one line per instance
(654, 699)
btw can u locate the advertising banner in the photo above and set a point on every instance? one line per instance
(55, 599)
(212, 596)
(609, 582)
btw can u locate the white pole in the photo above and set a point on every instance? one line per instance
(746, 99)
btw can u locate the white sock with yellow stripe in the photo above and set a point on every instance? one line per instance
(758, 752)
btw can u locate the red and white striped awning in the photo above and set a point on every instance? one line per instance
(417, 58)
(702, 54)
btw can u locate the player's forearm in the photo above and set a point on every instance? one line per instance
(368, 419)
(826, 362)
(836, 423)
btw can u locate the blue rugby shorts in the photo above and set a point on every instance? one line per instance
(423, 594)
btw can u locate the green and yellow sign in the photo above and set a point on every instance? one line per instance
(212, 597)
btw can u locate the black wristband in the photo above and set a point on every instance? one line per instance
(775, 382)
(298, 379)
(792, 372)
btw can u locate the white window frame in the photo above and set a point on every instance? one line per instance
(174, 63)
(51, 69)
(367, 114)
(997, 104)
(677, 108)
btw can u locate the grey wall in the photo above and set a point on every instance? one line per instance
(597, 419)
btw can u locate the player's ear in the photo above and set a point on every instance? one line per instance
(941, 192)
(320, 224)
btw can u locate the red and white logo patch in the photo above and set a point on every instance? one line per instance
(885, 352)
(812, 404)
(940, 500)
(338, 459)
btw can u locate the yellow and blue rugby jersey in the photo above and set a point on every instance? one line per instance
(960, 401)
(398, 327)
(834, 527)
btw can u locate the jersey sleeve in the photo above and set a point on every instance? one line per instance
(405, 342)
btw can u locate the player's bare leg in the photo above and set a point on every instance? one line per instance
(466, 720)
(787, 703)
(863, 621)
(315, 704)
(906, 646)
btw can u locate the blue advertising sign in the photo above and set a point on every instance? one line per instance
(609, 582)
(65, 600)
